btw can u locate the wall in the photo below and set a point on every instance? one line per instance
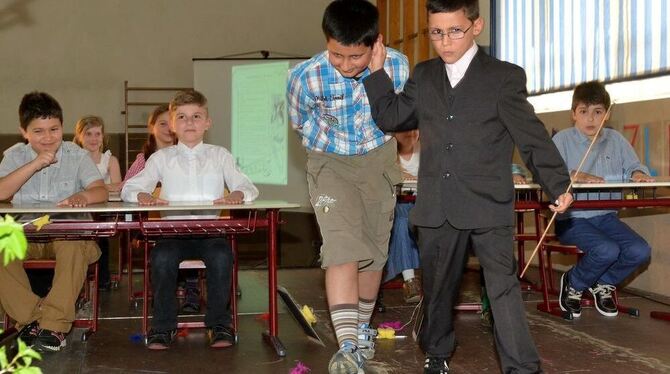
(81, 51)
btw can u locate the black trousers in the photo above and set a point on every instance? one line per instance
(443, 253)
(165, 259)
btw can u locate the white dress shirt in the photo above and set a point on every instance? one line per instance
(457, 70)
(197, 174)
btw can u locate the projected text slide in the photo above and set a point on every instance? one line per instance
(259, 122)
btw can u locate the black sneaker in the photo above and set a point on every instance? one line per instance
(49, 341)
(220, 336)
(602, 296)
(570, 300)
(160, 340)
(435, 365)
(28, 334)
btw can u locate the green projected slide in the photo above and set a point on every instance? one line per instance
(259, 121)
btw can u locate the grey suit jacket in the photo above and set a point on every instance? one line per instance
(468, 135)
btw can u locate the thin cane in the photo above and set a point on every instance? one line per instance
(579, 168)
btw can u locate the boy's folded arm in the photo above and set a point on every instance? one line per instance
(392, 112)
(96, 192)
(14, 180)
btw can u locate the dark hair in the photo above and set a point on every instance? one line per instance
(150, 145)
(590, 93)
(38, 105)
(351, 22)
(470, 7)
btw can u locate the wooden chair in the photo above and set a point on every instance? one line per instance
(189, 264)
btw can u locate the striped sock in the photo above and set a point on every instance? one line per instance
(365, 309)
(345, 323)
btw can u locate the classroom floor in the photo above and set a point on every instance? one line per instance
(590, 344)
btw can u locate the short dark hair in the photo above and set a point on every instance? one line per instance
(351, 22)
(38, 105)
(470, 7)
(590, 93)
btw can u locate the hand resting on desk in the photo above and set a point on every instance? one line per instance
(233, 198)
(144, 198)
(639, 176)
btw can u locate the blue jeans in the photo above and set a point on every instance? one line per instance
(612, 250)
(403, 251)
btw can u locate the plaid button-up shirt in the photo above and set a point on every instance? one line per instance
(332, 113)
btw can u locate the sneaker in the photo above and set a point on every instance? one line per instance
(220, 336)
(160, 340)
(602, 296)
(435, 365)
(570, 300)
(348, 360)
(366, 345)
(28, 334)
(411, 290)
(192, 301)
(49, 341)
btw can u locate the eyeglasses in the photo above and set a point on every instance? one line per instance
(453, 34)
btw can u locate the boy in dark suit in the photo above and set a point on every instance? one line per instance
(471, 110)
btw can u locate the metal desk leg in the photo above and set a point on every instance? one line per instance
(271, 337)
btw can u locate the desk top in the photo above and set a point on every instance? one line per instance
(132, 207)
(660, 182)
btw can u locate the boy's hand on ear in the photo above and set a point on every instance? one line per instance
(44, 159)
(77, 200)
(562, 203)
(378, 55)
(144, 198)
(233, 198)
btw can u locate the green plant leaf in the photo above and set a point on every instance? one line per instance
(13, 243)
(29, 352)
(3, 358)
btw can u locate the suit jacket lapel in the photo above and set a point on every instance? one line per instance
(441, 81)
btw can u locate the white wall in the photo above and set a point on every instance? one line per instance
(81, 51)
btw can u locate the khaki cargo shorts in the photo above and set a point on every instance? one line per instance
(353, 198)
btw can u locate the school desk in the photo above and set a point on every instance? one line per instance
(107, 219)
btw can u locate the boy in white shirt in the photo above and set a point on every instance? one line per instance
(190, 171)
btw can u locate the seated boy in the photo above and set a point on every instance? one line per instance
(190, 171)
(47, 170)
(612, 250)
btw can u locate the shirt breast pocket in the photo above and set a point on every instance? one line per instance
(65, 188)
(331, 109)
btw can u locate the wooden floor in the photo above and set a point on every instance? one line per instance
(590, 344)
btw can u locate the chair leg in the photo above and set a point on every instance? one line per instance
(129, 253)
(550, 270)
(548, 306)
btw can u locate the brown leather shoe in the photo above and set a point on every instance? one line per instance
(412, 290)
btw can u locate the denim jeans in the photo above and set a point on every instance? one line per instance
(612, 250)
(165, 259)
